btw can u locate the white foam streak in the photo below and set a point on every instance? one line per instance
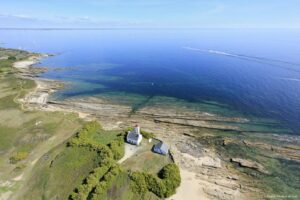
(212, 51)
(290, 79)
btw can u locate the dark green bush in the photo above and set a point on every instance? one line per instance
(117, 148)
(163, 186)
(138, 184)
(105, 182)
(170, 175)
(155, 185)
(83, 191)
(102, 177)
(12, 58)
(81, 138)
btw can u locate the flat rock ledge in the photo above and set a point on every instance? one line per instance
(250, 164)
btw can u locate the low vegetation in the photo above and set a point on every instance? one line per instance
(18, 156)
(144, 133)
(114, 150)
(147, 135)
(26, 135)
(101, 179)
(163, 185)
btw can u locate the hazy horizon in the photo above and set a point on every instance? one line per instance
(145, 14)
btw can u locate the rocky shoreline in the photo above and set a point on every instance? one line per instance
(206, 172)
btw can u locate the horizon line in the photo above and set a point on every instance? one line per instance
(139, 28)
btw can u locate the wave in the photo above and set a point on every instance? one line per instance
(211, 51)
(273, 62)
(290, 79)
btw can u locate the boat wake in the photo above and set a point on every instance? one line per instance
(290, 79)
(273, 62)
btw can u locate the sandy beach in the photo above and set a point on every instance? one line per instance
(25, 64)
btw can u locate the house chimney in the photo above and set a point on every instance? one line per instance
(137, 129)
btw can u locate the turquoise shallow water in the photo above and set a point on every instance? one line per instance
(247, 72)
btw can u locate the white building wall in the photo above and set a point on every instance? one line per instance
(137, 129)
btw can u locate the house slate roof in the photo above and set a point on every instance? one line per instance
(132, 135)
(162, 146)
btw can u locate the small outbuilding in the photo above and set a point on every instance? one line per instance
(134, 136)
(161, 148)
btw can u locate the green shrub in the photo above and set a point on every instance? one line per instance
(12, 58)
(170, 174)
(102, 177)
(138, 183)
(147, 135)
(92, 126)
(105, 183)
(155, 185)
(83, 191)
(117, 148)
(81, 138)
(163, 186)
(18, 156)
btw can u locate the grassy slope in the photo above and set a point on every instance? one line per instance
(33, 132)
(64, 168)
(145, 160)
(120, 190)
(59, 172)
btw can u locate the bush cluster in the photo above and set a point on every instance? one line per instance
(102, 177)
(113, 150)
(97, 183)
(171, 176)
(105, 182)
(117, 147)
(147, 135)
(12, 58)
(18, 156)
(163, 185)
(138, 183)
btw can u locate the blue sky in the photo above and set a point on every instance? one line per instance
(150, 13)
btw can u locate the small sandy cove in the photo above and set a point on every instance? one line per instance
(25, 64)
(190, 187)
(44, 87)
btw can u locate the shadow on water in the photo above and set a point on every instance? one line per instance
(140, 105)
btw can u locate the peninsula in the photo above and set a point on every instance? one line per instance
(75, 148)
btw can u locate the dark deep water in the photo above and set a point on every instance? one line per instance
(253, 72)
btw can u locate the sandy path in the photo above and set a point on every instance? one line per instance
(130, 150)
(190, 187)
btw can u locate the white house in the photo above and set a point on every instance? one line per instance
(134, 136)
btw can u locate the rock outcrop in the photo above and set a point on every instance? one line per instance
(250, 164)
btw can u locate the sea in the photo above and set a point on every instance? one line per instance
(253, 73)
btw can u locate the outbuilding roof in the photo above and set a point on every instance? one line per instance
(162, 146)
